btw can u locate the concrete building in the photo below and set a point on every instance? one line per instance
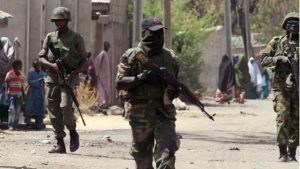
(110, 25)
(31, 22)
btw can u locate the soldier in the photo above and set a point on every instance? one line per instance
(152, 120)
(286, 95)
(72, 55)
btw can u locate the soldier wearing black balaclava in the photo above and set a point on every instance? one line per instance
(148, 100)
(278, 56)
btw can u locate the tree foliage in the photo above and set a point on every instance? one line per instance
(268, 16)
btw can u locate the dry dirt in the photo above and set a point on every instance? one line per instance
(242, 137)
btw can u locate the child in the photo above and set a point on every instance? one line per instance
(15, 92)
(35, 96)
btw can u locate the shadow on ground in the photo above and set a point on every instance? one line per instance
(238, 137)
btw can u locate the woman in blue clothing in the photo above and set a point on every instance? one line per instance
(35, 105)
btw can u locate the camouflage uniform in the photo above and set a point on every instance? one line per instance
(286, 96)
(72, 53)
(151, 122)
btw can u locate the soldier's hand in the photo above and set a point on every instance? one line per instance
(150, 76)
(282, 59)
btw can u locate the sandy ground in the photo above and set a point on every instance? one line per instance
(242, 137)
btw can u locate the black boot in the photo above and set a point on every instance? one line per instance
(283, 157)
(74, 140)
(292, 154)
(59, 148)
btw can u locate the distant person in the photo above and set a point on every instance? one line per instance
(15, 92)
(265, 88)
(256, 80)
(225, 81)
(242, 77)
(35, 102)
(88, 63)
(277, 54)
(103, 75)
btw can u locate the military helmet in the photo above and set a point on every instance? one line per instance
(61, 13)
(290, 16)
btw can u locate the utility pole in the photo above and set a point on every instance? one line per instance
(228, 27)
(249, 52)
(167, 23)
(137, 18)
(228, 33)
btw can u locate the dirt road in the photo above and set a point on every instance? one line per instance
(242, 137)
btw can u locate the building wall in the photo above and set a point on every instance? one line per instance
(213, 50)
(31, 22)
(115, 29)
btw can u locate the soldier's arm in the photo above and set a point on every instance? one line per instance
(268, 58)
(43, 55)
(125, 80)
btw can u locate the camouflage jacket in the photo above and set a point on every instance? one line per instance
(71, 48)
(280, 46)
(130, 66)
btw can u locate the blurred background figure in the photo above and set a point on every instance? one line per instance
(15, 91)
(35, 104)
(256, 80)
(242, 78)
(103, 75)
(225, 81)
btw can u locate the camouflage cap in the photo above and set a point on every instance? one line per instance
(290, 16)
(61, 13)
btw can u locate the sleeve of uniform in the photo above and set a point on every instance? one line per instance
(123, 67)
(268, 54)
(44, 51)
(81, 50)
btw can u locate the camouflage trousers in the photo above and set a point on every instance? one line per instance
(152, 128)
(286, 105)
(60, 109)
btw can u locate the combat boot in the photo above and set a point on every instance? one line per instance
(292, 154)
(74, 140)
(283, 157)
(59, 148)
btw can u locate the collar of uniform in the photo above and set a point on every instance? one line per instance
(67, 34)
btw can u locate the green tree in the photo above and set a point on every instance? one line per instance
(268, 16)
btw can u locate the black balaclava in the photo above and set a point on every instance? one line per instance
(152, 41)
(292, 28)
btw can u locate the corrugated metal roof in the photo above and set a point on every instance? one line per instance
(101, 1)
(4, 15)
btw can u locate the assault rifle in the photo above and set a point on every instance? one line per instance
(62, 74)
(172, 81)
(295, 70)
